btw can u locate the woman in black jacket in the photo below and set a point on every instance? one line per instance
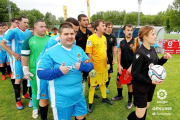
(143, 86)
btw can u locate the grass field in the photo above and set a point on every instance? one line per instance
(103, 111)
(171, 36)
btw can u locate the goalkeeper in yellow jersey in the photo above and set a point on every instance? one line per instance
(96, 50)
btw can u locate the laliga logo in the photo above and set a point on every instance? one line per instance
(162, 94)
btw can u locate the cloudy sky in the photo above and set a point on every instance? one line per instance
(75, 7)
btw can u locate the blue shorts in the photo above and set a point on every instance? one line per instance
(42, 89)
(2, 56)
(7, 57)
(17, 69)
(65, 113)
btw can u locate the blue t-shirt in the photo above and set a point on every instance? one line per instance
(1, 38)
(10, 42)
(16, 37)
(50, 43)
(66, 90)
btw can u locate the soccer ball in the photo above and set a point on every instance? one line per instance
(156, 72)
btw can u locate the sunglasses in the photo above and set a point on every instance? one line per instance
(16, 22)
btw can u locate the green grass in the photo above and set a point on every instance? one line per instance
(102, 111)
(171, 36)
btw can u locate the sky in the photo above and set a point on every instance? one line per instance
(76, 7)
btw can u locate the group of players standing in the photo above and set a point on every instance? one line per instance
(57, 66)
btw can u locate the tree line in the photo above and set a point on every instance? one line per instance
(32, 15)
(169, 18)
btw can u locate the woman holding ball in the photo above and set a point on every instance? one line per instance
(143, 86)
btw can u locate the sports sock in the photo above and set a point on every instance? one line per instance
(13, 81)
(107, 83)
(25, 88)
(130, 96)
(43, 112)
(3, 70)
(17, 92)
(30, 92)
(119, 90)
(91, 94)
(8, 69)
(35, 101)
(103, 90)
(80, 119)
(132, 116)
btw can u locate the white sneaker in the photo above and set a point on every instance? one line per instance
(35, 114)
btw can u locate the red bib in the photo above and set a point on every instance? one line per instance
(124, 78)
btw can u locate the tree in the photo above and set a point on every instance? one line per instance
(4, 15)
(98, 15)
(173, 14)
(131, 18)
(60, 20)
(32, 15)
(50, 20)
(115, 17)
(31, 19)
(176, 4)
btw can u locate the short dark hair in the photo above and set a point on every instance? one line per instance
(127, 25)
(35, 23)
(65, 25)
(73, 21)
(21, 17)
(4, 24)
(54, 28)
(80, 16)
(92, 25)
(97, 23)
(108, 23)
(13, 19)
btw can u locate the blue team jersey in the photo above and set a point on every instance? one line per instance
(16, 37)
(66, 90)
(9, 42)
(51, 42)
(1, 38)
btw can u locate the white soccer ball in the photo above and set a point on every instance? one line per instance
(156, 72)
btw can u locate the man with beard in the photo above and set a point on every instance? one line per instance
(19, 34)
(125, 59)
(14, 24)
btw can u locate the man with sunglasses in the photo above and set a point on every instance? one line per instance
(17, 37)
(14, 24)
